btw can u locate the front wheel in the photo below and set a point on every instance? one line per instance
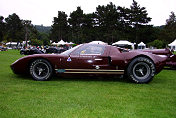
(141, 70)
(41, 70)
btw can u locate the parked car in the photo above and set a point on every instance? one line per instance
(30, 51)
(54, 50)
(171, 58)
(92, 59)
(3, 48)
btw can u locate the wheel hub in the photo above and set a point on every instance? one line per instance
(41, 70)
(141, 70)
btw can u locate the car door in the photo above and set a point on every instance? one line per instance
(70, 62)
(91, 59)
(94, 56)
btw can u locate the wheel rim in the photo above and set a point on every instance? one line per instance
(141, 70)
(41, 70)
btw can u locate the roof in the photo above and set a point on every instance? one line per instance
(98, 42)
(122, 42)
(61, 42)
(141, 44)
(173, 43)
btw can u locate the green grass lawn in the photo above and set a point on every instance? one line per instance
(21, 97)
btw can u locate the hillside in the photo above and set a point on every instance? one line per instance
(41, 28)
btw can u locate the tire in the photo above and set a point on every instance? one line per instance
(41, 70)
(141, 70)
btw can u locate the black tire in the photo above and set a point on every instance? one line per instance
(41, 70)
(141, 70)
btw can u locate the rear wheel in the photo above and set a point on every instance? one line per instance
(41, 70)
(141, 70)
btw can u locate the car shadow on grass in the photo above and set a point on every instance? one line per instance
(91, 78)
(169, 68)
(78, 78)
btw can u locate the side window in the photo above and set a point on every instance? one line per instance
(91, 49)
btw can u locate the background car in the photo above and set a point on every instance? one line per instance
(30, 51)
(54, 50)
(92, 59)
(3, 48)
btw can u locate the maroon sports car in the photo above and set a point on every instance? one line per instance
(92, 59)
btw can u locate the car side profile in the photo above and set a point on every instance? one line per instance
(92, 59)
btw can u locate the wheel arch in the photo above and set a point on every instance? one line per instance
(138, 57)
(128, 73)
(33, 59)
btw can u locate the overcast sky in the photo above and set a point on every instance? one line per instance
(43, 11)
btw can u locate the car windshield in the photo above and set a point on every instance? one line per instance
(70, 50)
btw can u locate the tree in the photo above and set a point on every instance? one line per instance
(170, 28)
(36, 42)
(124, 27)
(88, 30)
(107, 21)
(44, 37)
(156, 43)
(172, 20)
(14, 28)
(138, 16)
(59, 28)
(2, 28)
(76, 21)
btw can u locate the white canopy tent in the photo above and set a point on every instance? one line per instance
(61, 42)
(69, 43)
(98, 42)
(124, 44)
(141, 45)
(173, 45)
(55, 44)
(11, 43)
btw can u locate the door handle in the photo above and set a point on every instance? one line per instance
(98, 59)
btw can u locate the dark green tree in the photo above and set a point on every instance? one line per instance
(87, 27)
(2, 28)
(59, 28)
(156, 43)
(14, 28)
(138, 16)
(170, 28)
(108, 20)
(124, 27)
(76, 21)
(167, 32)
(44, 37)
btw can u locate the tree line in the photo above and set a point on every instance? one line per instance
(109, 23)
(14, 29)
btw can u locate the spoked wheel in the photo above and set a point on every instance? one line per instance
(41, 70)
(141, 70)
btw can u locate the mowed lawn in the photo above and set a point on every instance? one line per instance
(21, 97)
